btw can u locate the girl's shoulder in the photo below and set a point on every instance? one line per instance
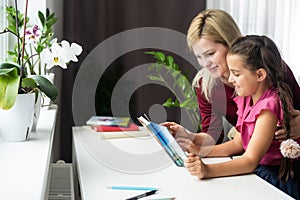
(269, 101)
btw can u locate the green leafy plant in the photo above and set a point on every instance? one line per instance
(180, 86)
(34, 54)
(37, 37)
(14, 79)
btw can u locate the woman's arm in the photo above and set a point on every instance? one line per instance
(259, 144)
(211, 121)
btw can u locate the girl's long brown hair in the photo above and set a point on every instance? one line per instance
(261, 52)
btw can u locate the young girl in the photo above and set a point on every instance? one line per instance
(264, 102)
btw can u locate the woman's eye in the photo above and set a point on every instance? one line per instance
(198, 57)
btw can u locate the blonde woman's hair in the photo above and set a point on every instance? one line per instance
(218, 26)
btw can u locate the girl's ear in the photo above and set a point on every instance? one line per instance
(261, 74)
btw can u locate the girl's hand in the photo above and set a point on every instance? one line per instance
(188, 145)
(295, 128)
(195, 166)
(176, 130)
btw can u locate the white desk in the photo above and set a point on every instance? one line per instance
(24, 165)
(142, 162)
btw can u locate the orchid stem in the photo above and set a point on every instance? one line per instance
(23, 39)
(6, 30)
(17, 29)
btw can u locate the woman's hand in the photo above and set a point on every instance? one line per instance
(295, 127)
(195, 166)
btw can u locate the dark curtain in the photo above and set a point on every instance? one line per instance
(91, 22)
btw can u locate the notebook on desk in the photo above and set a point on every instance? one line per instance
(108, 121)
(120, 133)
(166, 140)
(109, 127)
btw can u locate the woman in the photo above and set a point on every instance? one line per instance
(263, 101)
(209, 37)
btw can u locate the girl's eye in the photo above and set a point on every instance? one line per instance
(234, 73)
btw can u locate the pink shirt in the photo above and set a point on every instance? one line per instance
(222, 105)
(247, 116)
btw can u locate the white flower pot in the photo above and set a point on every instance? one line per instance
(37, 110)
(16, 123)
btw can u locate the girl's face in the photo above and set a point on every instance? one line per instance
(212, 56)
(246, 82)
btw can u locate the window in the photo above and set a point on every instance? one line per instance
(7, 40)
(277, 19)
(3, 37)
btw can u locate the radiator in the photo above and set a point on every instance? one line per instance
(60, 182)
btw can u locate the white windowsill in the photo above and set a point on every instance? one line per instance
(24, 165)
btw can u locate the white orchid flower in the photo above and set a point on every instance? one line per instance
(71, 51)
(55, 57)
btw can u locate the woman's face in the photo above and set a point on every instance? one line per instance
(212, 56)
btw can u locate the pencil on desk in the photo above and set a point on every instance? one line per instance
(120, 187)
(146, 194)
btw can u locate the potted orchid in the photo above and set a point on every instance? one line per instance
(35, 52)
(41, 52)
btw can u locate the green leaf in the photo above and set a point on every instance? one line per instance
(185, 103)
(46, 87)
(155, 78)
(47, 12)
(150, 53)
(41, 17)
(160, 56)
(51, 21)
(9, 85)
(170, 103)
(11, 66)
(29, 83)
(170, 60)
(175, 73)
(175, 66)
